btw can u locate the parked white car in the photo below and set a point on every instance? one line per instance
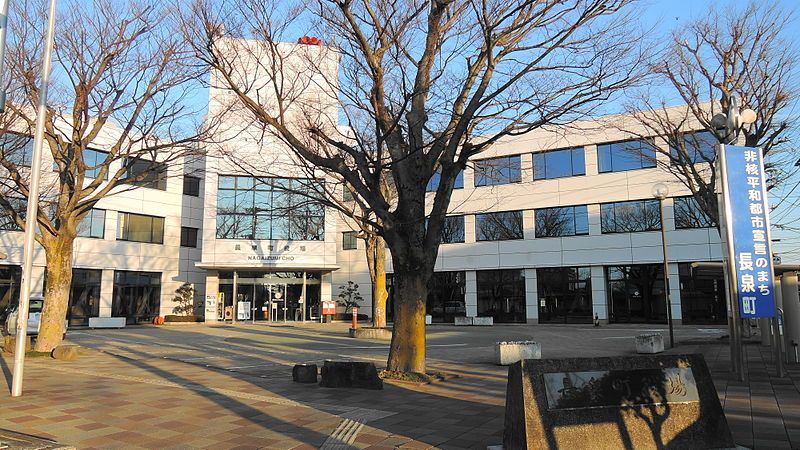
(34, 316)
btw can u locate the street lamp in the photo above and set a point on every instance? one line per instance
(33, 205)
(660, 191)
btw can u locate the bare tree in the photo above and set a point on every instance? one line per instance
(728, 52)
(423, 86)
(118, 117)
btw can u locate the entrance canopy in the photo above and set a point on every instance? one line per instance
(267, 267)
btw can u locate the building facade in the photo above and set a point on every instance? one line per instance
(556, 226)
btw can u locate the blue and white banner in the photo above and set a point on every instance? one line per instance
(747, 229)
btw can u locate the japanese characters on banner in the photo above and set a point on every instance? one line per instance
(747, 216)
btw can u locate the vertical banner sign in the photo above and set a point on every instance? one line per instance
(746, 218)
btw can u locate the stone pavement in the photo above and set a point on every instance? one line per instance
(194, 390)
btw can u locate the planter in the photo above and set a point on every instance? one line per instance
(383, 334)
(462, 321)
(649, 343)
(106, 322)
(509, 352)
(483, 321)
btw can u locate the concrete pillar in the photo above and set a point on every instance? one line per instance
(594, 219)
(106, 292)
(764, 329)
(791, 315)
(471, 293)
(531, 296)
(599, 300)
(469, 229)
(590, 155)
(528, 224)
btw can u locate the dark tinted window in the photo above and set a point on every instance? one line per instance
(697, 148)
(502, 170)
(144, 173)
(189, 237)
(191, 186)
(636, 215)
(564, 221)
(349, 240)
(453, 230)
(7, 223)
(501, 295)
(626, 155)
(565, 294)
(433, 183)
(93, 224)
(137, 296)
(499, 226)
(689, 215)
(559, 163)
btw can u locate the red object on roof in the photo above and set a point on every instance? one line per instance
(309, 40)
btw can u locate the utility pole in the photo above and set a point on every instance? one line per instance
(33, 207)
(3, 29)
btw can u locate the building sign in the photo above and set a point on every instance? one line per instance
(746, 223)
(243, 311)
(328, 308)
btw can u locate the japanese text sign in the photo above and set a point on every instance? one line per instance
(747, 230)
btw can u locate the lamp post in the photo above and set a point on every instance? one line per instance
(3, 30)
(660, 192)
(33, 206)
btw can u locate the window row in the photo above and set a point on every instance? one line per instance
(634, 294)
(611, 157)
(618, 217)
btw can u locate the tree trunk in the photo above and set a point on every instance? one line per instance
(407, 352)
(376, 258)
(56, 295)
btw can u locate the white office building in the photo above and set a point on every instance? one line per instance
(556, 226)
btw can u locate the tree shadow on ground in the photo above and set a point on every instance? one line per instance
(6, 371)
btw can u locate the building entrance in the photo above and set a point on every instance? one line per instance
(275, 296)
(636, 294)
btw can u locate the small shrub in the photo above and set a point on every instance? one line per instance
(349, 297)
(184, 297)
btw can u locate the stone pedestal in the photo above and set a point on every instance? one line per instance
(304, 373)
(506, 353)
(383, 334)
(10, 344)
(66, 352)
(649, 343)
(350, 374)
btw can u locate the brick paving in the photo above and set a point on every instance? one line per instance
(140, 398)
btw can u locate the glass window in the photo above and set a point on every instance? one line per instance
(558, 163)
(347, 194)
(501, 295)
(140, 228)
(349, 240)
(84, 298)
(565, 294)
(137, 296)
(564, 221)
(269, 209)
(632, 216)
(446, 296)
(189, 237)
(17, 149)
(148, 174)
(191, 186)
(688, 214)
(94, 160)
(702, 295)
(7, 222)
(453, 230)
(93, 224)
(699, 147)
(433, 183)
(636, 293)
(494, 171)
(499, 226)
(626, 155)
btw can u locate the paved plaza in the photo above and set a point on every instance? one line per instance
(228, 386)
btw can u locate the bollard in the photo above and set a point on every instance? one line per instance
(355, 318)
